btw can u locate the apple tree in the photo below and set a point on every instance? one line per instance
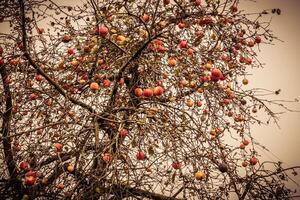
(134, 99)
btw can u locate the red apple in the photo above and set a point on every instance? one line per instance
(226, 101)
(257, 39)
(242, 146)
(216, 73)
(245, 164)
(253, 160)
(121, 82)
(148, 92)
(190, 51)
(58, 147)
(106, 83)
(199, 103)
(29, 180)
(138, 92)
(166, 2)
(248, 61)
(140, 155)
(107, 157)
(39, 77)
(183, 44)
(245, 142)
(234, 8)
(33, 96)
(200, 34)
(70, 51)
(146, 18)
(176, 165)
(23, 165)
(31, 173)
(250, 43)
(1, 50)
(181, 25)
(123, 132)
(157, 91)
(197, 2)
(103, 31)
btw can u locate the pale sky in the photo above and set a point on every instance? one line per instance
(281, 71)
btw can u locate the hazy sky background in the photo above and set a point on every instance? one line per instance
(281, 71)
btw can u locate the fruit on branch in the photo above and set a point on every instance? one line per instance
(190, 51)
(1, 51)
(216, 72)
(176, 165)
(70, 168)
(257, 39)
(245, 81)
(181, 25)
(172, 61)
(234, 8)
(183, 44)
(140, 155)
(166, 2)
(66, 38)
(70, 51)
(199, 175)
(107, 157)
(158, 90)
(190, 103)
(138, 92)
(253, 160)
(199, 103)
(123, 132)
(248, 61)
(103, 31)
(197, 2)
(121, 82)
(82, 81)
(148, 92)
(242, 146)
(58, 147)
(33, 96)
(206, 20)
(121, 39)
(31, 173)
(23, 165)
(60, 186)
(44, 181)
(97, 190)
(146, 18)
(94, 86)
(39, 77)
(216, 75)
(40, 30)
(245, 142)
(200, 34)
(30, 180)
(245, 163)
(226, 101)
(250, 43)
(223, 167)
(106, 83)
(75, 63)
